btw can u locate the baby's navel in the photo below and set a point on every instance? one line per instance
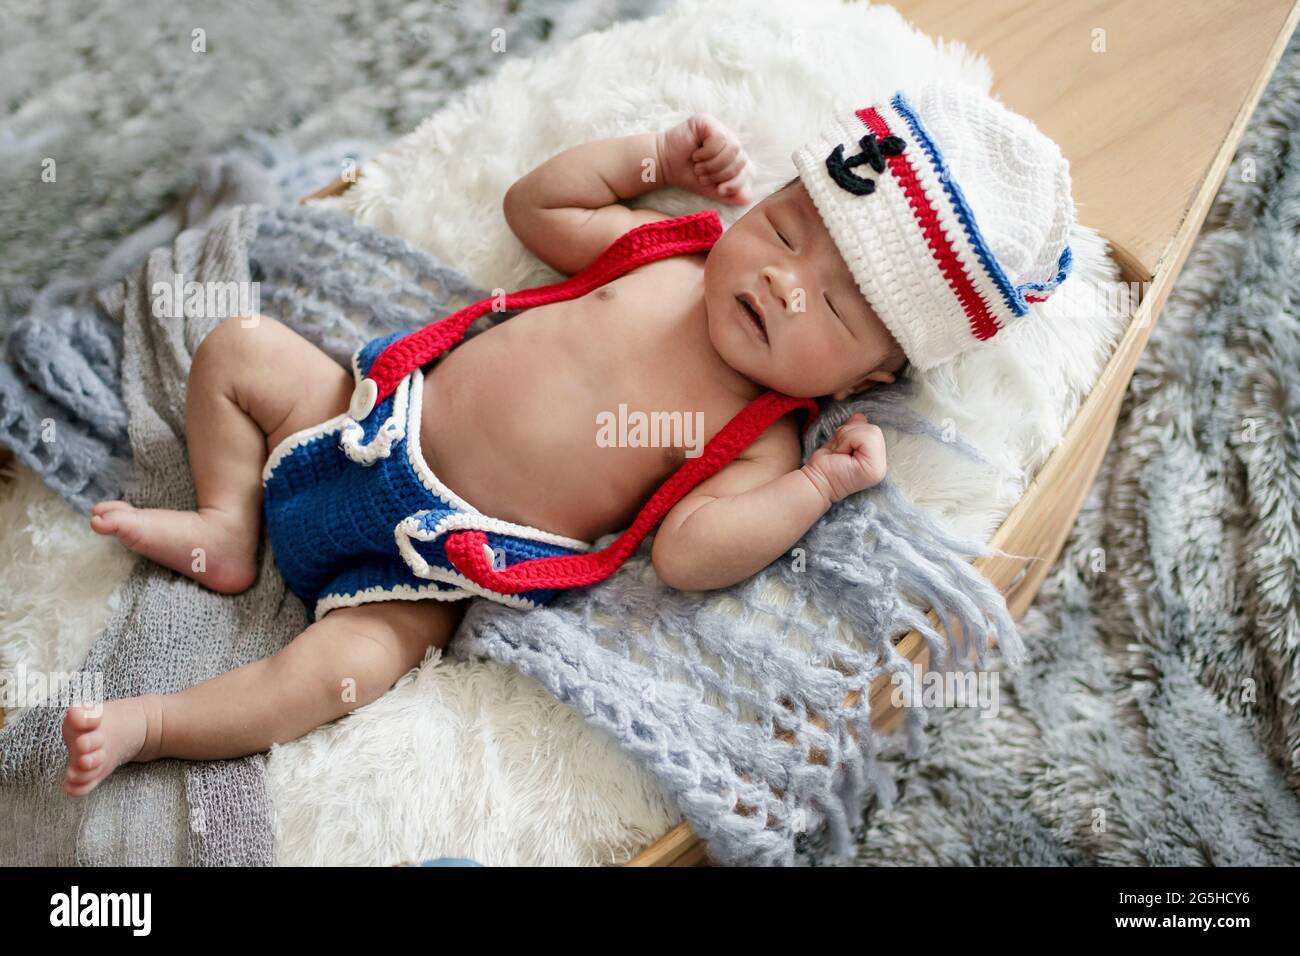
(604, 292)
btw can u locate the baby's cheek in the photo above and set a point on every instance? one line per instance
(808, 368)
(834, 359)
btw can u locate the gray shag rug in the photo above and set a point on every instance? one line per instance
(1155, 721)
(97, 87)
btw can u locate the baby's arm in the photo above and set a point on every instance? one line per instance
(754, 510)
(567, 210)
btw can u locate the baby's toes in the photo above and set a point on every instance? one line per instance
(86, 745)
(78, 721)
(80, 788)
(108, 522)
(126, 524)
(113, 517)
(87, 762)
(75, 776)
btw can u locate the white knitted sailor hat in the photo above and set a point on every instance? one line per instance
(952, 212)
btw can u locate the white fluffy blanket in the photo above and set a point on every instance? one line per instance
(468, 758)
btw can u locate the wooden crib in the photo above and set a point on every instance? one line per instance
(1148, 101)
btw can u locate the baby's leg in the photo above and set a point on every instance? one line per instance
(252, 383)
(345, 660)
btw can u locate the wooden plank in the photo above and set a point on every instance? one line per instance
(338, 187)
(675, 846)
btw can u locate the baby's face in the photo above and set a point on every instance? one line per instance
(810, 332)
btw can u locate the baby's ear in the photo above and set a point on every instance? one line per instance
(864, 383)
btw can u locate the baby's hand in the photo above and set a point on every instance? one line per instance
(852, 460)
(704, 157)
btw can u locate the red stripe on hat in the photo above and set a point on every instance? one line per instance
(983, 324)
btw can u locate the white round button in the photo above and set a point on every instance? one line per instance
(363, 399)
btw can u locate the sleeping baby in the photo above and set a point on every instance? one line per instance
(438, 470)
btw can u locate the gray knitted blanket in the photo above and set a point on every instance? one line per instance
(734, 700)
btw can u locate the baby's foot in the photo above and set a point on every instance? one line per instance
(206, 545)
(100, 743)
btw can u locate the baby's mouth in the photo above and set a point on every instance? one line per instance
(753, 313)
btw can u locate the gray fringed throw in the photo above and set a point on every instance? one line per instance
(735, 700)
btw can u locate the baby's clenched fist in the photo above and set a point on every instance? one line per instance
(702, 156)
(851, 460)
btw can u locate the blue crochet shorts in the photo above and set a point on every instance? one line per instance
(354, 514)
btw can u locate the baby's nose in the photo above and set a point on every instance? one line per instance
(783, 283)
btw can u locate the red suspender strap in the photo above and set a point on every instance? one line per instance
(646, 243)
(469, 555)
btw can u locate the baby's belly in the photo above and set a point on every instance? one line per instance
(529, 432)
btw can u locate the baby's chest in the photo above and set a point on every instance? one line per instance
(602, 397)
(639, 341)
(642, 336)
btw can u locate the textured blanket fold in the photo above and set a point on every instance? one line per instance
(735, 700)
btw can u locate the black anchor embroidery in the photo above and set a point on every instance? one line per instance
(873, 153)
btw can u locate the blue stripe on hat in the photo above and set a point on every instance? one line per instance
(1012, 296)
(1063, 265)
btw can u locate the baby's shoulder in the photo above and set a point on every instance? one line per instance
(780, 445)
